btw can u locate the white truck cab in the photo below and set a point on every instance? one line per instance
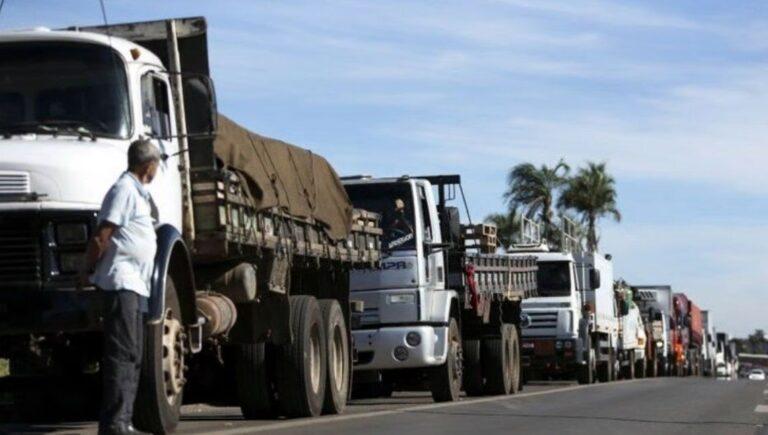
(570, 329)
(406, 301)
(78, 100)
(443, 310)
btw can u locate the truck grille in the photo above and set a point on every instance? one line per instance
(542, 319)
(20, 259)
(14, 183)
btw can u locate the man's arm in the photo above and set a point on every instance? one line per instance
(95, 249)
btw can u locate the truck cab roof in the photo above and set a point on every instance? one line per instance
(125, 48)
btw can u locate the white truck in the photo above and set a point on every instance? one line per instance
(655, 303)
(725, 361)
(571, 328)
(632, 336)
(256, 238)
(710, 344)
(442, 310)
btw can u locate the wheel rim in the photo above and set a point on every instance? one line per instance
(173, 357)
(457, 371)
(314, 359)
(337, 358)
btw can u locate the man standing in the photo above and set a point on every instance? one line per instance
(121, 255)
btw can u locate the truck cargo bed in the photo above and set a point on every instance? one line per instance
(229, 225)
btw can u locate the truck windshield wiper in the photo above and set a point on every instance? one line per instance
(52, 127)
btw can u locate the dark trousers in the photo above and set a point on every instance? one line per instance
(121, 364)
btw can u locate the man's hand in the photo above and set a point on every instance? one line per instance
(93, 252)
(83, 279)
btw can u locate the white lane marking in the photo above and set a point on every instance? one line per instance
(340, 418)
(762, 409)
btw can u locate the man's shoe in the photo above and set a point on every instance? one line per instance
(121, 429)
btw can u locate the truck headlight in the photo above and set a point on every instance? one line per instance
(568, 344)
(401, 298)
(558, 344)
(71, 234)
(659, 344)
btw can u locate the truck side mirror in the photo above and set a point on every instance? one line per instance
(594, 279)
(199, 105)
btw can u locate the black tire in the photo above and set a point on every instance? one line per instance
(631, 365)
(255, 392)
(301, 365)
(473, 370)
(606, 370)
(337, 351)
(497, 364)
(640, 369)
(513, 350)
(586, 373)
(161, 388)
(445, 380)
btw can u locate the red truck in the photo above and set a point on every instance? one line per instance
(688, 336)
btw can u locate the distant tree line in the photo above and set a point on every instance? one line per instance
(537, 192)
(755, 343)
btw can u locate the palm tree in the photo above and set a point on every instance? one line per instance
(591, 193)
(533, 189)
(507, 227)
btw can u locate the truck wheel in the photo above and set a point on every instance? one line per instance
(586, 372)
(631, 365)
(255, 392)
(473, 369)
(640, 368)
(301, 365)
(445, 380)
(498, 362)
(161, 388)
(337, 338)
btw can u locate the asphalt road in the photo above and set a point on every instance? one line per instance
(649, 406)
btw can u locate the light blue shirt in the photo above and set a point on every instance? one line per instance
(129, 258)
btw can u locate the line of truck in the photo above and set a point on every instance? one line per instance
(585, 325)
(279, 287)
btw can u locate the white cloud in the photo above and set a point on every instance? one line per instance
(606, 12)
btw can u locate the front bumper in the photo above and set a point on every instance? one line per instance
(40, 312)
(376, 348)
(546, 355)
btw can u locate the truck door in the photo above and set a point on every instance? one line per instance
(434, 270)
(158, 123)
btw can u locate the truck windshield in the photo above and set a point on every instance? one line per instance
(63, 87)
(394, 202)
(554, 278)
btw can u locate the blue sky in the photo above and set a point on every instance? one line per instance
(673, 95)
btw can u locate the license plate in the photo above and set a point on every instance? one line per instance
(528, 345)
(544, 348)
